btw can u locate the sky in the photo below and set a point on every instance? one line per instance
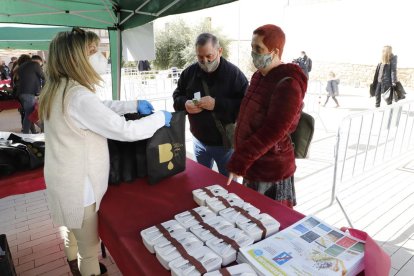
(343, 31)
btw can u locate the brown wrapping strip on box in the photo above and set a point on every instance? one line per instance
(208, 192)
(258, 222)
(224, 201)
(224, 272)
(181, 249)
(213, 231)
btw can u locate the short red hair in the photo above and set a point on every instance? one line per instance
(273, 37)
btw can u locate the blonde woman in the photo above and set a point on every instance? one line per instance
(332, 88)
(77, 125)
(385, 75)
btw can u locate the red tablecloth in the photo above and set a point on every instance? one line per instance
(22, 182)
(129, 208)
(3, 82)
(9, 104)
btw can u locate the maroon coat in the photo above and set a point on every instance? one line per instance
(268, 114)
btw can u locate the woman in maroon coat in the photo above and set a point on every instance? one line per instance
(269, 113)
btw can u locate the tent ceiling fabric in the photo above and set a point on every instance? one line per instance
(99, 14)
(33, 38)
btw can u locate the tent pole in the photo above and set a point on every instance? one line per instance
(115, 43)
(115, 53)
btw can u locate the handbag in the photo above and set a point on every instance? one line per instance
(373, 85)
(399, 92)
(372, 88)
(301, 138)
(165, 151)
(387, 95)
(226, 131)
(127, 160)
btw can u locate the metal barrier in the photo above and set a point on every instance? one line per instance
(369, 139)
(141, 85)
(312, 101)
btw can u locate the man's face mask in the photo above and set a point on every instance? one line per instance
(210, 66)
(98, 62)
(261, 61)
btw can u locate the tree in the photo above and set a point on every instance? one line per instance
(175, 45)
(204, 26)
(169, 45)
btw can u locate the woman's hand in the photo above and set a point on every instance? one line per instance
(232, 176)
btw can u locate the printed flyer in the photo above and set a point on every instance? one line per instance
(308, 247)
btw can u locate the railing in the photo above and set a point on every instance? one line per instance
(141, 85)
(369, 139)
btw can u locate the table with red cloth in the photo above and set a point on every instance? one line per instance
(9, 104)
(22, 182)
(131, 207)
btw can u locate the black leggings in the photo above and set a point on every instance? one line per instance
(333, 97)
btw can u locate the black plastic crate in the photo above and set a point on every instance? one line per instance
(6, 261)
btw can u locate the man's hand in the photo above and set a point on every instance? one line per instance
(232, 176)
(192, 108)
(207, 102)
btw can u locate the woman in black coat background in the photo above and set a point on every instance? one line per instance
(385, 75)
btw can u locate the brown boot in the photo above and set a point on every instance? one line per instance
(74, 267)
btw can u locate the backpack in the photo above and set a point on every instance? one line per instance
(302, 136)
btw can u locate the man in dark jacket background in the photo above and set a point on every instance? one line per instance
(31, 78)
(304, 62)
(226, 86)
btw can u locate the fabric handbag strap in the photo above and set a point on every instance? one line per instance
(219, 125)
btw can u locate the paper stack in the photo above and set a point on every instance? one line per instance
(308, 247)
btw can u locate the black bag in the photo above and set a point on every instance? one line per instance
(399, 92)
(373, 85)
(6, 261)
(17, 157)
(302, 136)
(166, 155)
(372, 88)
(127, 159)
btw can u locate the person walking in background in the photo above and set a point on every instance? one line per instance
(269, 113)
(15, 81)
(221, 87)
(12, 62)
(31, 79)
(332, 88)
(77, 125)
(385, 75)
(304, 62)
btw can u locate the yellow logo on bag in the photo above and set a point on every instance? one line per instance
(166, 154)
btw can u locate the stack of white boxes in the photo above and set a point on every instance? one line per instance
(209, 236)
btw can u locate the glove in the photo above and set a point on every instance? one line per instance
(144, 107)
(167, 116)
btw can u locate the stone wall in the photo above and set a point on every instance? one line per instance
(356, 75)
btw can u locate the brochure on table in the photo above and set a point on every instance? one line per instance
(308, 247)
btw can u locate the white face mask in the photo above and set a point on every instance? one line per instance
(98, 62)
